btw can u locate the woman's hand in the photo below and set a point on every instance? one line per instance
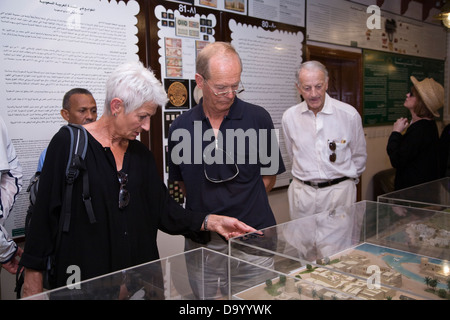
(400, 125)
(226, 226)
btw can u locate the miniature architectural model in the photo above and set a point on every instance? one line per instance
(358, 264)
(428, 235)
(350, 285)
(440, 272)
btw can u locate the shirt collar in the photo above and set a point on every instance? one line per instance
(327, 107)
(235, 113)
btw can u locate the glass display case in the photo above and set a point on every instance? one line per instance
(200, 274)
(370, 250)
(434, 195)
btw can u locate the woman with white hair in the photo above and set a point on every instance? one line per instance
(415, 154)
(130, 202)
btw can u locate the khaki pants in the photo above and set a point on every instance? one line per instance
(323, 222)
(305, 200)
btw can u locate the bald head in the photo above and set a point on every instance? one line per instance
(224, 50)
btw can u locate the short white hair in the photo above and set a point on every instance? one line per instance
(135, 85)
(311, 65)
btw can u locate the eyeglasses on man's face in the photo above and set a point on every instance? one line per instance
(238, 89)
(124, 195)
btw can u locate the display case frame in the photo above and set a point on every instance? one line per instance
(350, 253)
(433, 195)
(171, 279)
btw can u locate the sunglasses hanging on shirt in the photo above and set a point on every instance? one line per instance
(332, 146)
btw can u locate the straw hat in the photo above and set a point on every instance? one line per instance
(432, 94)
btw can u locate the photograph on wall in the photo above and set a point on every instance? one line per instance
(199, 45)
(174, 57)
(179, 48)
(185, 27)
(178, 93)
(196, 94)
(175, 191)
(235, 6)
(169, 118)
(208, 3)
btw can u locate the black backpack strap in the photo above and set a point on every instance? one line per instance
(78, 147)
(87, 198)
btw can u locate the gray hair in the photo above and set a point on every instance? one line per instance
(212, 49)
(135, 85)
(310, 66)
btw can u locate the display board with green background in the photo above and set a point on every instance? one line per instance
(387, 81)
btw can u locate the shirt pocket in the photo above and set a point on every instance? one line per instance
(338, 150)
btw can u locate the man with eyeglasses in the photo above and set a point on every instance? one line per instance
(225, 172)
(325, 140)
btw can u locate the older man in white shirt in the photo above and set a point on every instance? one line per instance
(325, 140)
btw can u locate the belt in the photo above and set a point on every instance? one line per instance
(325, 184)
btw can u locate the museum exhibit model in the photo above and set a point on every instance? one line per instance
(368, 251)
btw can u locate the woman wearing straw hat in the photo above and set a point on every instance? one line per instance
(414, 154)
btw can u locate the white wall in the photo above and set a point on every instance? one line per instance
(377, 158)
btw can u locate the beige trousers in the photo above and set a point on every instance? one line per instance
(305, 200)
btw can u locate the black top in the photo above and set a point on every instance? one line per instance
(121, 237)
(415, 155)
(241, 137)
(444, 152)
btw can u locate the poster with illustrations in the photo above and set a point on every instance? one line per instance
(48, 48)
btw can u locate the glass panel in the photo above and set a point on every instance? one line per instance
(369, 250)
(199, 274)
(355, 248)
(433, 195)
